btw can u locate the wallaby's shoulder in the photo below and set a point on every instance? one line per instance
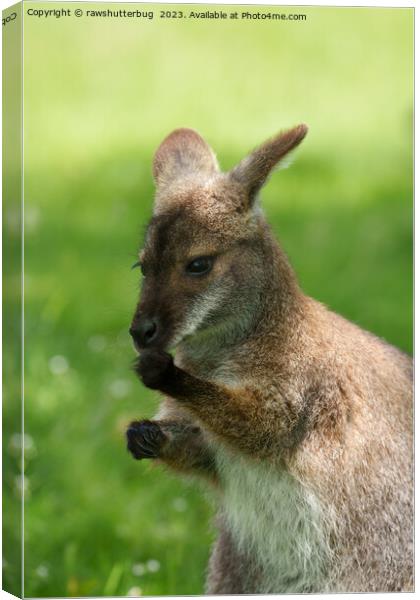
(357, 346)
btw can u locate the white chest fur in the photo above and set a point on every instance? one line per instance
(273, 517)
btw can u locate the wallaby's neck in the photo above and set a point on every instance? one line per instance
(282, 301)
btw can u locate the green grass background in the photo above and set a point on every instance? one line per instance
(99, 97)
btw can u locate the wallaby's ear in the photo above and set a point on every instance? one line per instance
(253, 171)
(183, 152)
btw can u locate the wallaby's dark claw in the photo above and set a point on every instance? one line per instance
(155, 368)
(145, 439)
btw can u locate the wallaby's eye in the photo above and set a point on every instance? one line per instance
(199, 266)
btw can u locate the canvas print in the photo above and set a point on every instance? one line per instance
(207, 307)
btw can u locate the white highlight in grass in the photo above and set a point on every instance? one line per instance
(138, 569)
(58, 365)
(119, 388)
(97, 343)
(134, 592)
(42, 571)
(17, 441)
(21, 486)
(153, 566)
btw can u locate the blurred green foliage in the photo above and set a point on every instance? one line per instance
(100, 94)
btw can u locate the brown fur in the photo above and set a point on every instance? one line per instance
(271, 376)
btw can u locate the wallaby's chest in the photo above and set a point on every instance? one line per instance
(277, 522)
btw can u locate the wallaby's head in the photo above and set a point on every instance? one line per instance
(204, 259)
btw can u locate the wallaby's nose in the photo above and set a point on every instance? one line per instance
(144, 331)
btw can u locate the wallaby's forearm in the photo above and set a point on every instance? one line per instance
(238, 416)
(186, 450)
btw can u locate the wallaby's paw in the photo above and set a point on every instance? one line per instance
(145, 439)
(155, 368)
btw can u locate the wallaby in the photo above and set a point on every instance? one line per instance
(300, 420)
